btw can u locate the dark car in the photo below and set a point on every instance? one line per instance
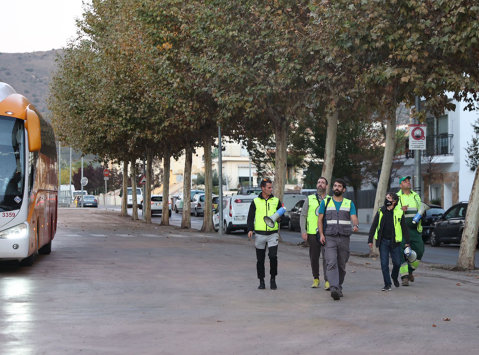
(294, 216)
(428, 220)
(448, 228)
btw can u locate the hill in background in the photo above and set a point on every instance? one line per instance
(30, 74)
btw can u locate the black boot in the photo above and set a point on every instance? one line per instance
(261, 284)
(273, 284)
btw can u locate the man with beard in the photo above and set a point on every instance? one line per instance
(339, 213)
(309, 230)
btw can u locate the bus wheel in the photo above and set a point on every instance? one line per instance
(46, 249)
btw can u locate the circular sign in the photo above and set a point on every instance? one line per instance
(84, 181)
(418, 134)
(106, 173)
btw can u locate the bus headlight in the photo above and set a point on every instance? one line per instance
(19, 231)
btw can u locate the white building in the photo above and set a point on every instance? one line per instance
(445, 175)
(236, 165)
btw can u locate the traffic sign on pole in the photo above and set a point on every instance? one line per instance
(417, 137)
(84, 181)
(106, 173)
(143, 180)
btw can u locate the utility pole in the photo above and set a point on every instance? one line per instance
(81, 181)
(220, 173)
(250, 182)
(70, 181)
(59, 166)
(417, 158)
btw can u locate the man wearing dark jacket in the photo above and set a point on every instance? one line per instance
(389, 230)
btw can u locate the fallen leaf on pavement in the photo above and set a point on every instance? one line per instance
(446, 319)
(458, 284)
(368, 263)
(434, 326)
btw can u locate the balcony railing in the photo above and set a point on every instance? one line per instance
(440, 144)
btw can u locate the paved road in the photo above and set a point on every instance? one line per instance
(115, 286)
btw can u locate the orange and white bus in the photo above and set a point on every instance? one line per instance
(28, 179)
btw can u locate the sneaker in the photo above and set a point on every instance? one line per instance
(340, 293)
(335, 295)
(272, 284)
(396, 282)
(327, 286)
(261, 284)
(386, 288)
(315, 283)
(411, 277)
(405, 281)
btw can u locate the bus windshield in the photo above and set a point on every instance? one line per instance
(12, 163)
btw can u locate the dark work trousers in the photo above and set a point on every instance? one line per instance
(387, 248)
(273, 261)
(315, 249)
(337, 255)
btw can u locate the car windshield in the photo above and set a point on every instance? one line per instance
(138, 191)
(88, 198)
(435, 211)
(12, 163)
(157, 198)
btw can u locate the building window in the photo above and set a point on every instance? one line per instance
(438, 140)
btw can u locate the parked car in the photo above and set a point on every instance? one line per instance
(448, 228)
(198, 204)
(179, 201)
(88, 201)
(428, 220)
(216, 202)
(157, 205)
(235, 212)
(289, 201)
(294, 216)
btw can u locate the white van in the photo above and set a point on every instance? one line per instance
(139, 196)
(235, 212)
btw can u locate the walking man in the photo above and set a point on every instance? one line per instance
(265, 205)
(389, 230)
(339, 212)
(309, 230)
(410, 203)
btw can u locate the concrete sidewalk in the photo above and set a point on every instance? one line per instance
(148, 289)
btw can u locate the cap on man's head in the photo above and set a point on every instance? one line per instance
(404, 178)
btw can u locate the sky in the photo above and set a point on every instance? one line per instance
(37, 25)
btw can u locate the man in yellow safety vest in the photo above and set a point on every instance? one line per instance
(309, 230)
(410, 202)
(265, 205)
